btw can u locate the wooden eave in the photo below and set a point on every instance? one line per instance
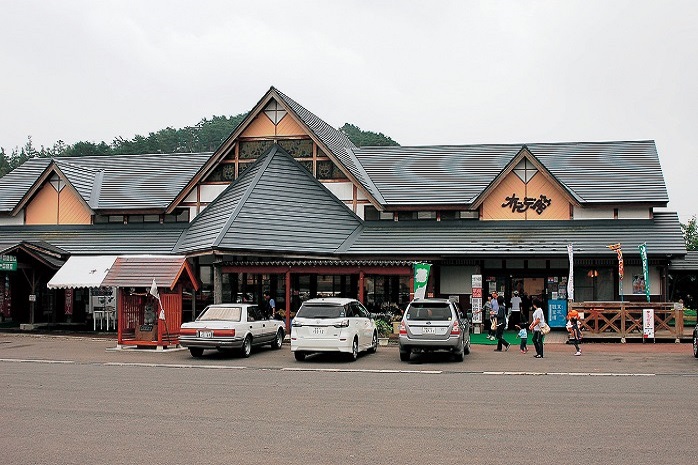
(50, 169)
(231, 141)
(523, 153)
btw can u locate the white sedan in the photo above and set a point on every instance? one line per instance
(231, 326)
(333, 325)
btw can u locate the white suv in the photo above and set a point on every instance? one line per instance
(434, 325)
(333, 325)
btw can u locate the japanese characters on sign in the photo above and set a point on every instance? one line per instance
(519, 205)
(8, 263)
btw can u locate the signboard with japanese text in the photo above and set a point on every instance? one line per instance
(476, 301)
(557, 313)
(8, 263)
(648, 323)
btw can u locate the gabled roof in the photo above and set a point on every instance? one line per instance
(109, 183)
(434, 175)
(141, 271)
(49, 255)
(15, 184)
(523, 154)
(276, 205)
(333, 141)
(535, 238)
(98, 239)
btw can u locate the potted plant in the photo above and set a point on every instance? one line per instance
(384, 330)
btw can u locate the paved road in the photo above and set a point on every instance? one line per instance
(71, 400)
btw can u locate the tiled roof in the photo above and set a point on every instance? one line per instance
(525, 239)
(140, 271)
(458, 174)
(276, 205)
(100, 239)
(115, 182)
(15, 184)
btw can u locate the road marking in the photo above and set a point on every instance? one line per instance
(171, 365)
(27, 360)
(360, 370)
(553, 373)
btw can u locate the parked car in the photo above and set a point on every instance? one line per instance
(231, 326)
(333, 325)
(695, 341)
(430, 325)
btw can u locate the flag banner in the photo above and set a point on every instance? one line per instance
(619, 252)
(645, 268)
(154, 290)
(570, 279)
(162, 314)
(421, 278)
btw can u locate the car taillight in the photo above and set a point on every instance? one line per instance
(342, 324)
(187, 331)
(403, 329)
(455, 331)
(224, 332)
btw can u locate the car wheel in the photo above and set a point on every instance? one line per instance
(246, 347)
(300, 356)
(354, 350)
(695, 346)
(374, 344)
(460, 355)
(405, 355)
(466, 348)
(278, 340)
(196, 351)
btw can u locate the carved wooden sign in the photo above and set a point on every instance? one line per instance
(519, 205)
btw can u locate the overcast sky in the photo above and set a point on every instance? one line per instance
(421, 72)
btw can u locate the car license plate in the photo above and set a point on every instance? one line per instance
(429, 330)
(319, 331)
(206, 334)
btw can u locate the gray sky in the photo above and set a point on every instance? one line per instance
(429, 72)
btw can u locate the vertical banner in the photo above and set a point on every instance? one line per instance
(476, 301)
(648, 323)
(645, 268)
(570, 279)
(421, 278)
(68, 307)
(619, 252)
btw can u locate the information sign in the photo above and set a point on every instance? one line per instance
(648, 323)
(8, 263)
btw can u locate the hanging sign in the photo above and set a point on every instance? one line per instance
(68, 307)
(8, 263)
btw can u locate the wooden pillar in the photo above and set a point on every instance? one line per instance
(217, 284)
(288, 301)
(120, 319)
(361, 286)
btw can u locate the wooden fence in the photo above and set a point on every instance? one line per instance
(624, 319)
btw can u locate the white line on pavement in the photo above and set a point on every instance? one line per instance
(26, 360)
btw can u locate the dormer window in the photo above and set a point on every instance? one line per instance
(274, 111)
(525, 170)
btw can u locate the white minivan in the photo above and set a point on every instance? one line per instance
(333, 325)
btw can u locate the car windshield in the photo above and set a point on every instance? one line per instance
(321, 311)
(429, 311)
(221, 313)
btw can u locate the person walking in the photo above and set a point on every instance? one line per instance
(269, 305)
(538, 318)
(489, 315)
(575, 333)
(501, 325)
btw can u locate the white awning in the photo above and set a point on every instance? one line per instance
(81, 271)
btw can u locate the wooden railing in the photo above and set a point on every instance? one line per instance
(624, 319)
